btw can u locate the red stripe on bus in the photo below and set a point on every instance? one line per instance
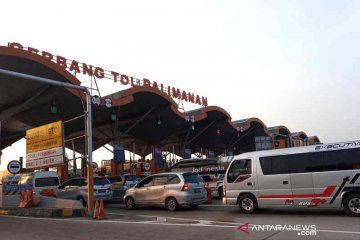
(327, 193)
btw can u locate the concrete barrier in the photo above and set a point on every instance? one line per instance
(48, 207)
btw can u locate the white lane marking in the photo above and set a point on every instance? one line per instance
(173, 218)
(164, 223)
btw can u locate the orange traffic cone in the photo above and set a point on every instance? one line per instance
(101, 210)
(96, 209)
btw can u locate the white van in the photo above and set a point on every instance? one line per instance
(40, 181)
(318, 176)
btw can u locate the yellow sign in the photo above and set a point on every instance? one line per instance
(44, 137)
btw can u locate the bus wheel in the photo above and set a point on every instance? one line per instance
(352, 204)
(248, 203)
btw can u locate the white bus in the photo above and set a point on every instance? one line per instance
(318, 176)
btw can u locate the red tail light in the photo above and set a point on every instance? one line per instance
(185, 187)
(33, 190)
(110, 188)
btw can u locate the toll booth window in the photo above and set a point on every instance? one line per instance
(239, 167)
(46, 182)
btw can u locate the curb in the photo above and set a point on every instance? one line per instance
(44, 212)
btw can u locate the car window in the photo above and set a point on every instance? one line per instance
(101, 181)
(160, 180)
(173, 179)
(46, 182)
(71, 183)
(146, 182)
(83, 182)
(192, 178)
(114, 179)
(130, 178)
(237, 168)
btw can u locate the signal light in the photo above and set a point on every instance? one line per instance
(218, 131)
(185, 187)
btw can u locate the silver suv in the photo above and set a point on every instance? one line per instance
(77, 189)
(171, 190)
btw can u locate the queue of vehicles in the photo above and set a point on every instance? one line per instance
(318, 176)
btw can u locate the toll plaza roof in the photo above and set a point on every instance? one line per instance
(279, 131)
(142, 116)
(300, 135)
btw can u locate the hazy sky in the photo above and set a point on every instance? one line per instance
(292, 63)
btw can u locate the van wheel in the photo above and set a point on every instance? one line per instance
(82, 201)
(352, 204)
(130, 203)
(248, 203)
(220, 192)
(171, 204)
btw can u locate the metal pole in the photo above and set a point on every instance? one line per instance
(88, 123)
(74, 158)
(89, 152)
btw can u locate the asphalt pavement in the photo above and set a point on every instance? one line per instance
(213, 221)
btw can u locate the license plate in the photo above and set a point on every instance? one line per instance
(197, 190)
(101, 191)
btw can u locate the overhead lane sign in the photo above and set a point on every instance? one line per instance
(44, 146)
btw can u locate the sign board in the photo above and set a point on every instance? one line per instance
(187, 153)
(147, 166)
(147, 174)
(75, 67)
(119, 153)
(44, 146)
(159, 161)
(14, 167)
(94, 166)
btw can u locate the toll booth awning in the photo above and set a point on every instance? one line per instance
(25, 104)
(143, 116)
(301, 135)
(279, 131)
(248, 129)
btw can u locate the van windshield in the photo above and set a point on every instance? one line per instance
(46, 182)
